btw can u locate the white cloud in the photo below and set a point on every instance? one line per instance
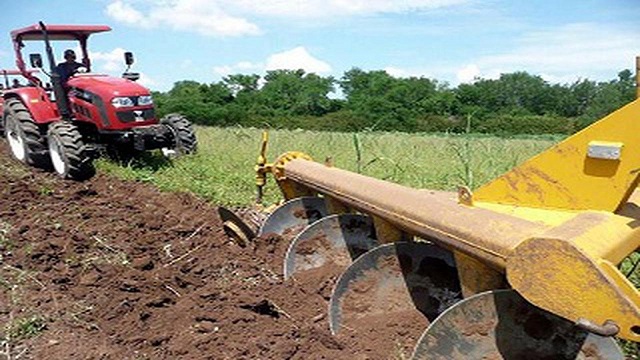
(297, 58)
(241, 67)
(125, 13)
(108, 61)
(226, 18)
(294, 59)
(468, 73)
(560, 54)
(335, 8)
(146, 81)
(200, 16)
(398, 72)
(112, 62)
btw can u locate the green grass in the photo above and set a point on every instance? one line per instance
(25, 328)
(222, 171)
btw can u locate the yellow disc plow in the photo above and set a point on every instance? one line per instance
(525, 267)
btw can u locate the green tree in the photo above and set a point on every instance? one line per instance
(293, 92)
(517, 93)
(389, 103)
(608, 97)
(241, 83)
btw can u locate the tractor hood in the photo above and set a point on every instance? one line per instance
(106, 86)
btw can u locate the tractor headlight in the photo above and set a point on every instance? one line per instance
(145, 100)
(120, 102)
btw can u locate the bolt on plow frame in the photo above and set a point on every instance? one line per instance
(525, 267)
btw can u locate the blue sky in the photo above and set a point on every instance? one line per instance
(449, 40)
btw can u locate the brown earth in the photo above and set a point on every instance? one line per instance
(118, 270)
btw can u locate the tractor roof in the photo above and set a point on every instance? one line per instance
(57, 32)
(17, 72)
(14, 72)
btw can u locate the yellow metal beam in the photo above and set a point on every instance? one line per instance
(595, 169)
(476, 277)
(559, 277)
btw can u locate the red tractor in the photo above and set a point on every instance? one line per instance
(11, 79)
(67, 124)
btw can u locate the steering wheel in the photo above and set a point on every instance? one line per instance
(80, 70)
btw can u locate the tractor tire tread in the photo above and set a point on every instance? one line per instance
(186, 142)
(35, 140)
(79, 161)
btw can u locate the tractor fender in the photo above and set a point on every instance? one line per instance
(37, 101)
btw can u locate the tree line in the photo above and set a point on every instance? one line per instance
(515, 103)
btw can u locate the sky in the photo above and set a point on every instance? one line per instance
(453, 41)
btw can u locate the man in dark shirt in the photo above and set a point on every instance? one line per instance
(69, 66)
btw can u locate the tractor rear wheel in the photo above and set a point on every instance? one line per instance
(26, 139)
(185, 141)
(69, 154)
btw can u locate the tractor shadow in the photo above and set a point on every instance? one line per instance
(143, 160)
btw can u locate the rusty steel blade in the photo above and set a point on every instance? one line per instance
(333, 240)
(409, 280)
(239, 230)
(500, 324)
(293, 216)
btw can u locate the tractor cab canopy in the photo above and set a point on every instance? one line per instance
(57, 32)
(11, 72)
(6, 73)
(36, 32)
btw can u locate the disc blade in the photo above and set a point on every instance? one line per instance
(235, 227)
(293, 216)
(397, 286)
(334, 240)
(500, 324)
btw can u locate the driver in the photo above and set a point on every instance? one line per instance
(69, 66)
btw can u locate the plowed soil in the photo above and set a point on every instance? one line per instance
(113, 269)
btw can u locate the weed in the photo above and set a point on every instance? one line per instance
(629, 266)
(399, 352)
(630, 349)
(45, 190)
(463, 155)
(25, 328)
(77, 313)
(28, 249)
(108, 254)
(17, 330)
(5, 242)
(358, 149)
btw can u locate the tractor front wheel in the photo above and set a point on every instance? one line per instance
(185, 141)
(69, 154)
(25, 138)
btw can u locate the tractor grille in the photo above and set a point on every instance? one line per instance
(135, 115)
